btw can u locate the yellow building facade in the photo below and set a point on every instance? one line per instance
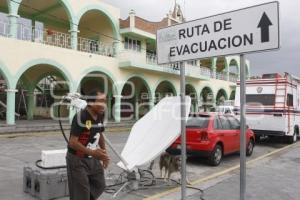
(52, 47)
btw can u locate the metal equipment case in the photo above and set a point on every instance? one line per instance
(45, 184)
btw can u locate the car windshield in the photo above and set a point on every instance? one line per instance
(198, 122)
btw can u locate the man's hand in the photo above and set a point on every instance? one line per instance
(100, 154)
(105, 163)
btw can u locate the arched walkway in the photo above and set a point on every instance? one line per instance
(206, 99)
(163, 89)
(96, 33)
(96, 9)
(97, 79)
(191, 91)
(39, 88)
(221, 68)
(136, 98)
(221, 97)
(51, 21)
(232, 95)
(3, 96)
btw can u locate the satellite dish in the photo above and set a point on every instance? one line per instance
(154, 133)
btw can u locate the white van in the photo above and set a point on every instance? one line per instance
(273, 105)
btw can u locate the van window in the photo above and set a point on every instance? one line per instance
(264, 99)
(289, 101)
(197, 122)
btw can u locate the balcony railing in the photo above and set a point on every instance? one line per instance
(96, 47)
(221, 76)
(190, 69)
(233, 77)
(58, 39)
(207, 72)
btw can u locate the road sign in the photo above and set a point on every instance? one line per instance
(242, 31)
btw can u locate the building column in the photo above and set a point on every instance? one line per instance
(136, 107)
(11, 106)
(109, 104)
(194, 106)
(13, 25)
(117, 108)
(72, 111)
(74, 36)
(151, 102)
(227, 74)
(30, 104)
(214, 67)
(248, 72)
(197, 106)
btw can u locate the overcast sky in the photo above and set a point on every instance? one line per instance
(285, 60)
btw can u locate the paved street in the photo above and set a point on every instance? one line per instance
(17, 152)
(276, 178)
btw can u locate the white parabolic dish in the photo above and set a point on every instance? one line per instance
(154, 133)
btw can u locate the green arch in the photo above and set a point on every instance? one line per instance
(237, 65)
(231, 94)
(191, 85)
(247, 70)
(63, 70)
(114, 23)
(140, 77)
(209, 87)
(225, 63)
(169, 82)
(6, 75)
(65, 3)
(219, 90)
(100, 70)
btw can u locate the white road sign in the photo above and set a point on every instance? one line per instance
(242, 31)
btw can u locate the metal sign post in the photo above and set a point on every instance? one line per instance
(242, 129)
(183, 130)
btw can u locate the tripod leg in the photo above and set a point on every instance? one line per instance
(123, 186)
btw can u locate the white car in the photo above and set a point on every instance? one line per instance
(225, 110)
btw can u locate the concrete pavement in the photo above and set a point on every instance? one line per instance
(276, 177)
(18, 151)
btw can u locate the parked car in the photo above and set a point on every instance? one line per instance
(225, 110)
(213, 135)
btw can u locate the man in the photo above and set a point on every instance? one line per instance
(86, 166)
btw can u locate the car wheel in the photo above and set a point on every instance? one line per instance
(216, 156)
(292, 139)
(250, 148)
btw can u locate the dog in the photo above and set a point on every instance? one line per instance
(169, 164)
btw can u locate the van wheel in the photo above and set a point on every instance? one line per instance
(216, 156)
(292, 139)
(250, 148)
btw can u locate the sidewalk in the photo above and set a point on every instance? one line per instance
(276, 178)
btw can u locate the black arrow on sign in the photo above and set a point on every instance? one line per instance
(264, 24)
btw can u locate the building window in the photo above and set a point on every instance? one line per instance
(290, 100)
(132, 44)
(264, 99)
